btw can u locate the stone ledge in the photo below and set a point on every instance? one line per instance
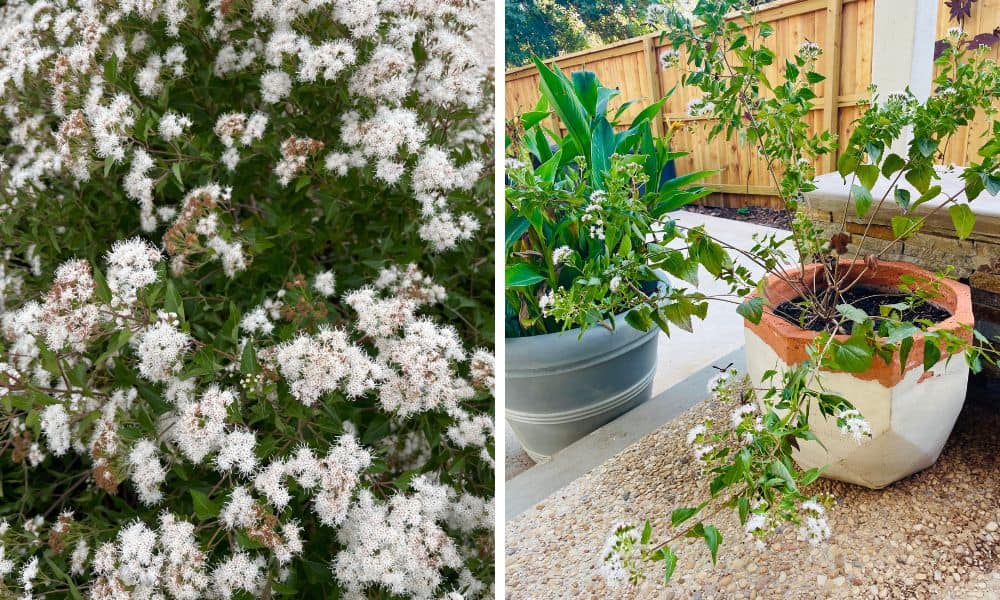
(832, 191)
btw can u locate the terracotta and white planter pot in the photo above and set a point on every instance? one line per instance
(911, 412)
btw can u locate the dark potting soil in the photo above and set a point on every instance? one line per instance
(868, 299)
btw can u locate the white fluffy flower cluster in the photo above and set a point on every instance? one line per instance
(159, 401)
(314, 365)
(621, 556)
(852, 423)
(398, 545)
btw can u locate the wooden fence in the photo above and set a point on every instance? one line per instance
(843, 28)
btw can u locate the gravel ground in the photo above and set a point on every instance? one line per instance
(932, 535)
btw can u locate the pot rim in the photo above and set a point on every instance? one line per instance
(789, 341)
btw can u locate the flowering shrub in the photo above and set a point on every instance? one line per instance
(245, 306)
(723, 50)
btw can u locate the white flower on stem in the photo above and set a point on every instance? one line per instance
(755, 524)
(236, 451)
(810, 50)
(852, 423)
(561, 254)
(670, 58)
(172, 125)
(160, 348)
(131, 267)
(814, 530)
(28, 573)
(274, 86)
(324, 283)
(700, 107)
(147, 471)
(55, 426)
(740, 413)
(257, 321)
(696, 433)
(78, 560)
(621, 557)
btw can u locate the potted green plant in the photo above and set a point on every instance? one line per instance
(854, 362)
(584, 244)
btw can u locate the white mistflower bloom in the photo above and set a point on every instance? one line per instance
(78, 560)
(240, 511)
(852, 423)
(131, 267)
(561, 254)
(230, 158)
(28, 573)
(160, 348)
(236, 451)
(274, 86)
(55, 426)
(172, 125)
(405, 531)
(810, 50)
(257, 321)
(324, 283)
(621, 557)
(696, 433)
(147, 472)
(814, 530)
(239, 572)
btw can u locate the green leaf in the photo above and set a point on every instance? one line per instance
(904, 352)
(172, 301)
(893, 163)
(929, 194)
(862, 200)
(853, 313)
(248, 361)
(548, 169)
(902, 197)
(561, 95)
(963, 219)
(853, 355)
(515, 228)
(920, 177)
(639, 318)
(176, 170)
(932, 353)
(814, 77)
(669, 563)
(867, 175)
(926, 146)
(585, 84)
(521, 274)
(602, 146)
(847, 162)
(779, 470)
(906, 330)
(712, 539)
(203, 505)
(679, 515)
(111, 68)
(647, 533)
(752, 310)
(904, 227)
